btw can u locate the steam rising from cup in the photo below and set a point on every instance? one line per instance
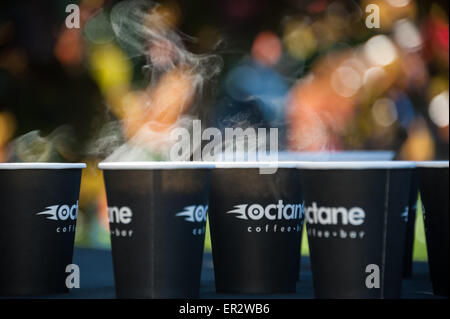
(33, 147)
(177, 78)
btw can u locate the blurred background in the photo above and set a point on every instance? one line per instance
(311, 68)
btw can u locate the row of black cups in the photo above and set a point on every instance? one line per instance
(357, 216)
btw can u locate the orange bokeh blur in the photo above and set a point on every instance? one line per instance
(266, 48)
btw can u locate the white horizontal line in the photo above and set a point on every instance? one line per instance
(42, 165)
(154, 165)
(432, 164)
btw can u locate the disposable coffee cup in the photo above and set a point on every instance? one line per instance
(411, 225)
(255, 223)
(335, 156)
(433, 186)
(157, 217)
(38, 212)
(356, 217)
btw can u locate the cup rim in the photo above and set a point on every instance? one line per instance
(41, 165)
(253, 164)
(356, 165)
(154, 165)
(337, 156)
(432, 164)
(149, 165)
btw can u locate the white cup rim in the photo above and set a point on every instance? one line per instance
(38, 165)
(336, 156)
(357, 165)
(165, 165)
(253, 164)
(149, 165)
(432, 164)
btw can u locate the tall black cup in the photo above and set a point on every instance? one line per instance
(434, 195)
(411, 225)
(157, 214)
(344, 156)
(356, 215)
(38, 212)
(255, 222)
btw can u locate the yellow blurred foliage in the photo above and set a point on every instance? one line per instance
(7, 126)
(112, 70)
(419, 145)
(91, 184)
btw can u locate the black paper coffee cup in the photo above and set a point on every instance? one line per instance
(255, 223)
(157, 214)
(339, 156)
(434, 194)
(38, 212)
(411, 225)
(356, 216)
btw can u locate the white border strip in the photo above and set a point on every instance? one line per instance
(154, 165)
(357, 165)
(432, 164)
(4, 166)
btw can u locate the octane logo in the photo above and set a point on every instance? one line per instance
(61, 212)
(278, 211)
(335, 215)
(194, 213)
